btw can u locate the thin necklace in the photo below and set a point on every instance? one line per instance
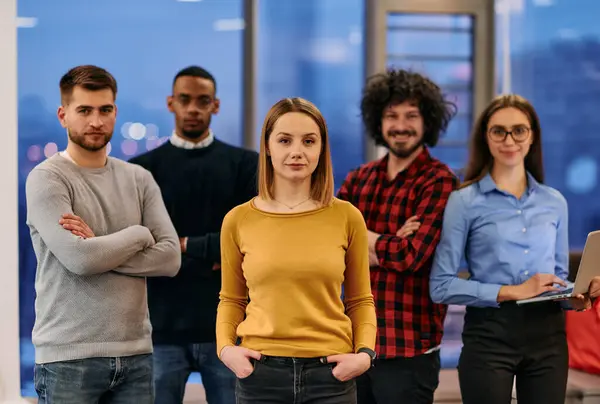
(293, 206)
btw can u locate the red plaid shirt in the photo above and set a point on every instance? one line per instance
(408, 322)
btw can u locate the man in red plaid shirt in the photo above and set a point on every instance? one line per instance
(402, 198)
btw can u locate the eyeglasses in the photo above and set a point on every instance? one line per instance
(519, 134)
(202, 101)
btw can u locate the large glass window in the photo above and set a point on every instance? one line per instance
(143, 43)
(441, 47)
(313, 49)
(553, 55)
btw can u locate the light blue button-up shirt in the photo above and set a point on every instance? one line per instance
(504, 241)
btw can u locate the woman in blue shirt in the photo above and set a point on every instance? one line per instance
(512, 231)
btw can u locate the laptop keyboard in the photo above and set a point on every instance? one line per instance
(558, 292)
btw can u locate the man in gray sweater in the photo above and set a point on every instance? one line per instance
(99, 227)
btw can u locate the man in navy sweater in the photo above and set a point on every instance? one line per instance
(201, 179)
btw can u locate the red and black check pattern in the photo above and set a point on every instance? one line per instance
(408, 322)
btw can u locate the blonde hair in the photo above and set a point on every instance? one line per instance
(322, 185)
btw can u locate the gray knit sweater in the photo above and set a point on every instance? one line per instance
(91, 293)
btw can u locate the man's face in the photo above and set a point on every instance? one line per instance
(193, 102)
(89, 117)
(402, 128)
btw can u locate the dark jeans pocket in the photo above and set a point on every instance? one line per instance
(266, 384)
(321, 384)
(256, 366)
(330, 368)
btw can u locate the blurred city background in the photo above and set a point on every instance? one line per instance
(545, 50)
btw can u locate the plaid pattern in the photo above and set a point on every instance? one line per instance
(408, 322)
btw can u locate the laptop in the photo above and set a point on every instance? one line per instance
(589, 267)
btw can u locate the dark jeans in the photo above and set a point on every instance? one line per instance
(173, 365)
(277, 380)
(122, 380)
(527, 342)
(400, 380)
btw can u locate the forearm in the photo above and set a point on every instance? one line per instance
(230, 314)
(364, 322)
(48, 199)
(99, 254)
(161, 259)
(411, 254)
(464, 292)
(206, 248)
(358, 299)
(397, 254)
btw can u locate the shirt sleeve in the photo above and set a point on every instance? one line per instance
(561, 266)
(358, 297)
(345, 191)
(562, 241)
(234, 292)
(208, 246)
(410, 254)
(163, 258)
(445, 286)
(48, 198)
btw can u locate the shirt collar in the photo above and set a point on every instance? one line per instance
(422, 159)
(487, 184)
(180, 142)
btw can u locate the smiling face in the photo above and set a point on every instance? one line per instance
(294, 147)
(509, 137)
(402, 129)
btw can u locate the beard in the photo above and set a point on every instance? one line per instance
(83, 141)
(199, 131)
(193, 134)
(403, 151)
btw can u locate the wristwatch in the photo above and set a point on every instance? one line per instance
(369, 352)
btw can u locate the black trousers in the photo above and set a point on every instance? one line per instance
(400, 380)
(278, 380)
(524, 342)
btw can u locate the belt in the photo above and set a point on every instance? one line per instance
(290, 361)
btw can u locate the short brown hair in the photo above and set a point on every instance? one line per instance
(480, 157)
(89, 77)
(322, 185)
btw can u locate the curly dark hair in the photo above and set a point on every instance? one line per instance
(398, 86)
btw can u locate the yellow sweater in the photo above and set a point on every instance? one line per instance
(292, 266)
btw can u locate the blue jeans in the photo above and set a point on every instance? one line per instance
(122, 380)
(173, 365)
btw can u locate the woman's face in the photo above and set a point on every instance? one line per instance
(509, 137)
(295, 146)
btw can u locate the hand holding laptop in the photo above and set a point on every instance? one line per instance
(584, 302)
(545, 285)
(580, 302)
(536, 285)
(587, 281)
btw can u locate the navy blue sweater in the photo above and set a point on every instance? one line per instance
(199, 187)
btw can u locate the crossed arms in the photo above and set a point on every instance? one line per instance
(399, 252)
(149, 249)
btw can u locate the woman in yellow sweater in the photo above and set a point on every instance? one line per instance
(289, 251)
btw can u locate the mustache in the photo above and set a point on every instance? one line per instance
(393, 133)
